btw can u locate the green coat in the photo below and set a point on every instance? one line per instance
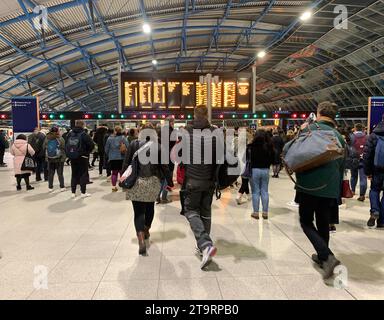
(331, 174)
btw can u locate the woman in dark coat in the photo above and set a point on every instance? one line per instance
(278, 145)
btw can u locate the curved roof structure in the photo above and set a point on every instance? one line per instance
(72, 62)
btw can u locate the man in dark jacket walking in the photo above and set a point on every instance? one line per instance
(373, 159)
(318, 191)
(200, 185)
(36, 140)
(3, 145)
(78, 147)
(358, 141)
(99, 139)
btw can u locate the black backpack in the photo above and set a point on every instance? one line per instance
(222, 177)
(74, 145)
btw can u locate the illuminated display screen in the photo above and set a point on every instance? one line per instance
(216, 95)
(243, 94)
(229, 94)
(145, 94)
(201, 94)
(188, 94)
(130, 94)
(174, 94)
(159, 94)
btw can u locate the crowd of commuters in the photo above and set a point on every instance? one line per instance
(117, 152)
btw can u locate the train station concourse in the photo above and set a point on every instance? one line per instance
(191, 150)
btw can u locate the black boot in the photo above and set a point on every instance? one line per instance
(142, 246)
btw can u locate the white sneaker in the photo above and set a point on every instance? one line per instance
(73, 195)
(293, 204)
(85, 195)
(208, 253)
(50, 190)
(63, 189)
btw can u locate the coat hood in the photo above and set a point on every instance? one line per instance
(77, 129)
(19, 143)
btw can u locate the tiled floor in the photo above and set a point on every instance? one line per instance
(88, 249)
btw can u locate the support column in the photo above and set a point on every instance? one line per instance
(253, 90)
(209, 96)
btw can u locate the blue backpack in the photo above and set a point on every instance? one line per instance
(379, 153)
(53, 149)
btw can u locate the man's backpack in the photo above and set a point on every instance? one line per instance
(379, 153)
(224, 178)
(359, 143)
(73, 147)
(53, 149)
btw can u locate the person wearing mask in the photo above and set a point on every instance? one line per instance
(19, 151)
(115, 148)
(36, 140)
(4, 144)
(168, 127)
(147, 186)
(261, 155)
(200, 184)
(358, 141)
(318, 193)
(373, 160)
(55, 146)
(78, 148)
(99, 140)
(278, 145)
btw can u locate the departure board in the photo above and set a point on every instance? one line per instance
(188, 94)
(229, 94)
(159, 94)
(216, 95)
(174, 94)
(130, 94)
(243, 96)
(201, 94)
(145, 99)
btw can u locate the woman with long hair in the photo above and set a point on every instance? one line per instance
(261, 153)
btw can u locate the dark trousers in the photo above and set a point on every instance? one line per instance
(24, 176)
(2, 151)
(79, 174)
(244, 186)
(41, 167)
(198, 210)
(144, 213)
(101, 162)
(321, 208)
(95, 157)
(377, 204)
(55, 167)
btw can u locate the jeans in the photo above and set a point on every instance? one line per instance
(359, 172)
(377, 205)
(198, 210)
(55, 167)
(321, 208)
(144, 213)
(79, 174)
(259, 186)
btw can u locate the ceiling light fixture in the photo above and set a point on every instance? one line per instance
(261, 54)
(154, 62)
(306, 16)
(146, 28)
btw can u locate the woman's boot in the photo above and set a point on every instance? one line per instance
(142, 246)
(146, 233)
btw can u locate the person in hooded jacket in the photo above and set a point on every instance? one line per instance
(36, 140)
(55, 146)
(19, 151)
(375, 173)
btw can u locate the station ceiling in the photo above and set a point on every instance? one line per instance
(73, 65)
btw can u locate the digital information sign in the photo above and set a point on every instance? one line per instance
(159, 91)
(25, 114)
(375, 112)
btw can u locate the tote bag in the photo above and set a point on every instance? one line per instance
(29, 163)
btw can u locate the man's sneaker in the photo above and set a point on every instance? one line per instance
(293, 204)
(30, 188)
(63, 189)
(85, 195)
(372, 221)
(198, 252)
(361, 198)
(73, 195)
(50, 190)
(315, 258)
(329, 266)
(332, 229)
(18, 188)
(208, 253)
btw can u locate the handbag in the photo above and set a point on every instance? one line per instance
(346, 191)
(29, 163)
(312, 149)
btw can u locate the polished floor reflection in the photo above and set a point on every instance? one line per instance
(88, 249)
